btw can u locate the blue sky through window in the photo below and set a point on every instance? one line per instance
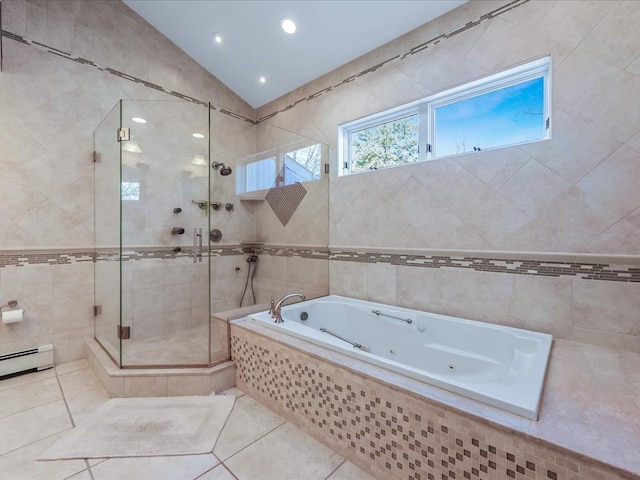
(507, 116)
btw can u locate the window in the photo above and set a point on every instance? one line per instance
(130, 190)
(392, 142)
(283, 166)
(260, 174)
(508, 108)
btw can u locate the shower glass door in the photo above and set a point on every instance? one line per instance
(164, 184)
(152, 272)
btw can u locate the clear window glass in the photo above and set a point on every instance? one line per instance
(503, 109)
(507, 116)
(384, 145)
(303, 165)
(130, 190)
(260, 174)
(283, 166)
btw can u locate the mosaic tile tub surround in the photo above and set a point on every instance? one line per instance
(389, 432)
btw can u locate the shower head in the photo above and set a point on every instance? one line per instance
(224, 170)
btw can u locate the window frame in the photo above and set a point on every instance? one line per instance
(426, 108)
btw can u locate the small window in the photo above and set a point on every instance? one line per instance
(303, 164)
(260, 174)
(393, 142)
(506, 116)
(283, 166)
(508, 108)
(130, 190)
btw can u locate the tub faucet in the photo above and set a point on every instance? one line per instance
(277, 314)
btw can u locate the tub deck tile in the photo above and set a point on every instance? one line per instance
(589, 424)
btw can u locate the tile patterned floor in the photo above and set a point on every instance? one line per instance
(255, 444)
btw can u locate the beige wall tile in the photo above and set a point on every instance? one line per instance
(145, 387)
(188, 385)
(381, 283)
(622, 169)
(606, 306)
(615, 341)
(544, 304)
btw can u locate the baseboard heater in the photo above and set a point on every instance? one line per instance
(26, 361)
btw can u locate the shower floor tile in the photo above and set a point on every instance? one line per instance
(249, 447)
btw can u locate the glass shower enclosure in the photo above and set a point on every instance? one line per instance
(152, 266)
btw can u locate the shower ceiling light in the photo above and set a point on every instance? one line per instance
(288, 25)
(139, 120)
(217, 38)
(262, 79)
(131, 146)
(198, 135)
(198, 160)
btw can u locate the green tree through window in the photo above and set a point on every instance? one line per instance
(384, 145)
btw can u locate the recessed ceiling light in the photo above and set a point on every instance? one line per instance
(262, 79)
(139, 120)
(198, 160)
(198, 135)
(217, 38)
(288, 25)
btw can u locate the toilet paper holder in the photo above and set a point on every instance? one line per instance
(11, 304)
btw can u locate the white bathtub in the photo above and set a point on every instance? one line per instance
(501, 366)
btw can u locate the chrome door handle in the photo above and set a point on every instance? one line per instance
(195, 245)
(199, 235)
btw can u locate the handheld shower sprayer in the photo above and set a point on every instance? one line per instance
(224, 170)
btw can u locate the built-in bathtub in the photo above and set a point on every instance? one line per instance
(502, 366)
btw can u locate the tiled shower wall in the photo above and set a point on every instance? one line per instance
(573, 194)
(78, 59)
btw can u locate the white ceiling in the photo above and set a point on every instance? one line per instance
(330, 33)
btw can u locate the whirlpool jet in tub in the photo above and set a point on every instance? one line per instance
(502, 366)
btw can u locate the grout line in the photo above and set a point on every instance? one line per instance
(86, 461)
(220, 464)
(35, 441)
(224, 425)
(256, 440)
(328, 477)
(64, 399)
(229, 470)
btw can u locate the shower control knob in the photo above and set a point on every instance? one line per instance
(215, 235)
(177, 231)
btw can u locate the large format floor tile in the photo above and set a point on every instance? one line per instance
(32, 425)
(247, 423)
(181, 467)
(255, 443)
(218, 473)
(287, 453)
(21, 464)
(348, 471)
(29, 395)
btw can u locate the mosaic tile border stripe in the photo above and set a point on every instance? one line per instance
(21, 259)
(514, 266)
(388, 432)
(314, 253)
(418, 48)
(412, 51)
(585, 271)
(125, 76)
